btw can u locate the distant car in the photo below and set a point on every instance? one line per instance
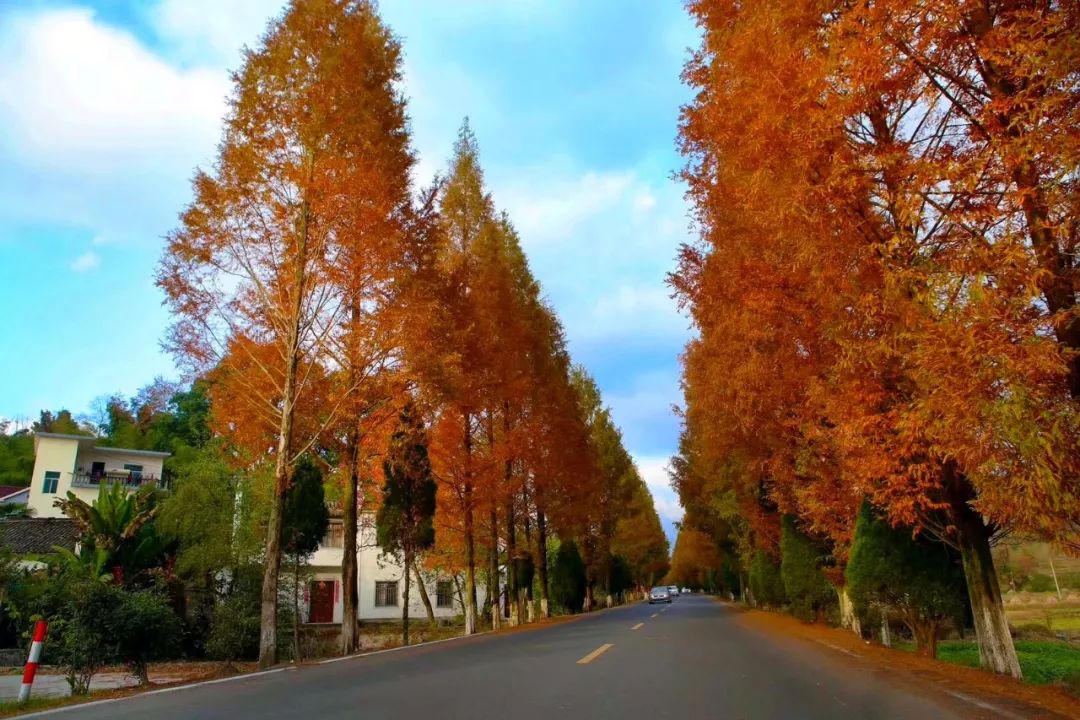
(674, 590)
(686, 591)
(660, 594)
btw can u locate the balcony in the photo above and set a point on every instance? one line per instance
(127, 478)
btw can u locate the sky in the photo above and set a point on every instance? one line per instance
(108, 106)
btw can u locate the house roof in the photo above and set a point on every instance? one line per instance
(37, 535)
(88, 442)
(7, 490)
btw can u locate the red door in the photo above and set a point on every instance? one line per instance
(322, 601)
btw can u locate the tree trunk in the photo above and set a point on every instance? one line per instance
(269, 599)
(886, 639)
(405, 603)
(423, 593)
(296, 609)
(542, 565)
(512, 595)
(996, 649)
(925, 633)
(527, 592)
(848, 619)
(460, 592)
(493, 570)
(350, 592)
(470, 549)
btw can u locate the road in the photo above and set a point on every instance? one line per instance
(692, 659)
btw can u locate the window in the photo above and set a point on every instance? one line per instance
(52, 479)
(335, 536)
(444, 594)
(136, 473)
(386, 593)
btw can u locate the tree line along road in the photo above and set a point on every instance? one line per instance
(690, 659)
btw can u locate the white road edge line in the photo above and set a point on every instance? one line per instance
(837, 648)
(985, 705)
(93, 703)
(245, 676)
(400, 647)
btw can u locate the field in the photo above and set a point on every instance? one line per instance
(1042, 616)
(1043, 662)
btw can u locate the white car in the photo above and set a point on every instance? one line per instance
(674, 590)
(660, 594)
(685, 591)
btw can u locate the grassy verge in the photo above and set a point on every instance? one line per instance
(11, 708)
(1043, 662)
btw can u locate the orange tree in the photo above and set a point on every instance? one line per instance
(252, 274)
(878, 286)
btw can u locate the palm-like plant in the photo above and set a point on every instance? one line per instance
(116, 530)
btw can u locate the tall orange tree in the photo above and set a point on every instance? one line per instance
(867, 286)
(371, 268)
(252, 273)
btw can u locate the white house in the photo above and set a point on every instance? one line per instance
(380, 581)
(78, 464)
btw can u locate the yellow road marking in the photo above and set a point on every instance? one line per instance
(594, 654)
(638, 626)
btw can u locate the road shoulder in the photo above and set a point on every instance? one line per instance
(978, 689)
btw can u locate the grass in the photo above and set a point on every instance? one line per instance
(11, 708)
(1043, 662)
(1059, 619)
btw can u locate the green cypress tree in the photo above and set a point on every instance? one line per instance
(568, 578)
(919, 579)
(809, 593)
(766, 585)
(405, 521)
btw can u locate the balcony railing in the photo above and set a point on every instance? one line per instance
(128, 479)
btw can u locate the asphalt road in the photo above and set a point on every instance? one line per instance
(692, 659)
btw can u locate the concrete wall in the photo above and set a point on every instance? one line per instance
(71, 457)
(373, 567)
(53, 454)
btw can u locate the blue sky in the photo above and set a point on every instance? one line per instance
(107, 106)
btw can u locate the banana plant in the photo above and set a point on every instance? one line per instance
(116, 530)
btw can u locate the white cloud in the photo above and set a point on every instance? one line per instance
(75, 90)
(550, 209)
(644, 310)
(98, 132)
(210, 30)
(87, 261)
(653, 471)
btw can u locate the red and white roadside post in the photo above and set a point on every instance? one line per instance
(32, 661)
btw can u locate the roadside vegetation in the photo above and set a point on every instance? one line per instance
(882, 402)
(352, 343)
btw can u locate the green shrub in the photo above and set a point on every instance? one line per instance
(922, 581)
(101, 623)
(621, 577)
(568, 578)
(78, 641)
(766, 585)
(145, 628)
(234, 630)
(1039, 583)
(808, 592)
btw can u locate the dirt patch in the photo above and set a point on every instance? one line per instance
(1040, 701)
